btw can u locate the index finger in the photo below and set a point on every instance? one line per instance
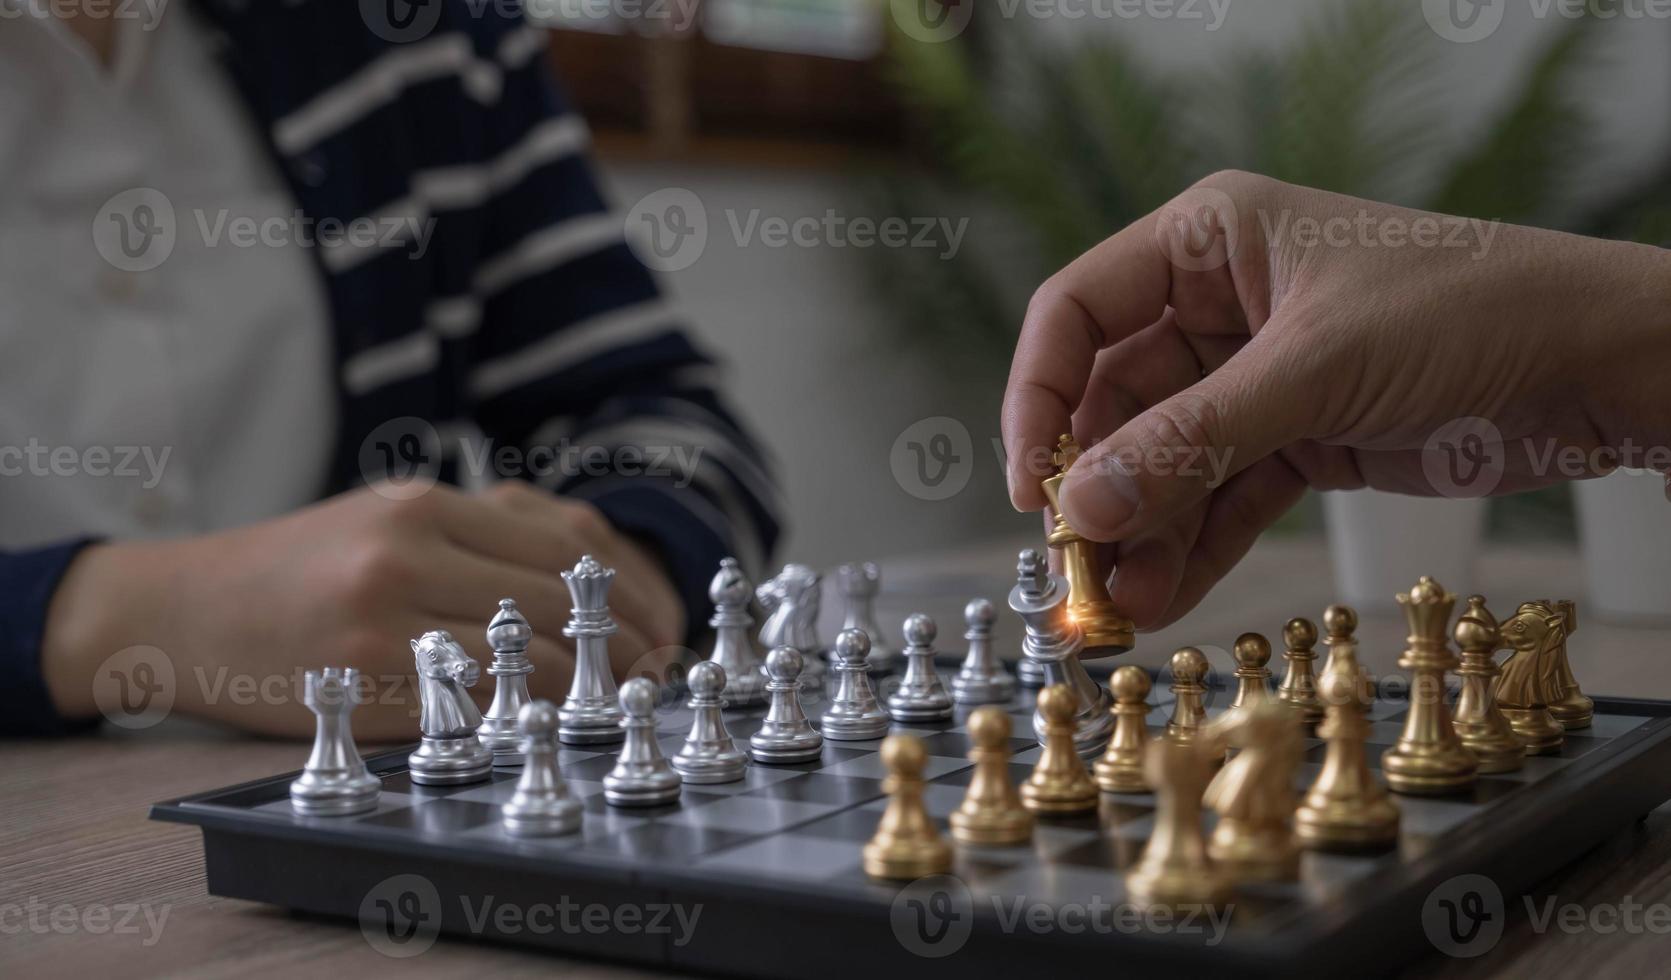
(1112, 291)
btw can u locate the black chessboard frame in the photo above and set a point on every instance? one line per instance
(774, 861)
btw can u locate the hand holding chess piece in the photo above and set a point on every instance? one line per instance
(1089, 604)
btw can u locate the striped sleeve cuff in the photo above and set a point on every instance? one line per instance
(27, 581)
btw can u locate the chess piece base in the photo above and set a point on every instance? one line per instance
(1106, 631)
(781, 755)
(906, 712)
(334, 795)
(1176, 886)
(553, 819)
(1310, 712)
(450, 761)
(1436, 771)
(992, 828)
(582, 724)
(1339, 826)
(1537, 728)
(982, 690)
(658, 793)
(1073, 797)
(1249, 853)
(1573, 712)
(719, 767)
(899, 861)
(1120, 775)
(858, 728)
(1496, 751)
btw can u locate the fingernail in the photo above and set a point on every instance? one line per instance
(1098, 500)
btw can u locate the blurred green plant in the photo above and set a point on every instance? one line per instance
(1068, 140)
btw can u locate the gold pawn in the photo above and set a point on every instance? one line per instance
(1479, 722)
(1058, 783)
(1189, 711)
(1120, 770)
(1346, 809)
(1089, 604)
(1428, 759)
(1175, 868)
(991, 812)
(1253, 678)
(1299, 684)
(906, 845)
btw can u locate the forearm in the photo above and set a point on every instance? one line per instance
(1625, 349)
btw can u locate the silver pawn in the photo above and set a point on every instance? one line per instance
(1054, 642)
(543, 805)
(734, 649)
(982, 678)
(854, 714)
(921, 696)
(785, 736)
(508, 635)
(335, 781)
(642, 775)
(860, 584)
(709, 755)
(591, 714)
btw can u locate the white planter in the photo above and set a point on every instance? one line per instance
(1624, 527)
(1382, 543)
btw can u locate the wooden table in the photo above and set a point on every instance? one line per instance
(78, 856)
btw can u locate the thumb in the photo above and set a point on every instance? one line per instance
(1178, 452)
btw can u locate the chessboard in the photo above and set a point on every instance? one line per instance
(763, 877)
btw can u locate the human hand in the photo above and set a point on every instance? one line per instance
(1253, 338)
(348, 582)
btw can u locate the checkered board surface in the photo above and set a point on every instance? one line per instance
(796, 831)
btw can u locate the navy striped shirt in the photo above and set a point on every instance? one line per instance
(526, 321)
